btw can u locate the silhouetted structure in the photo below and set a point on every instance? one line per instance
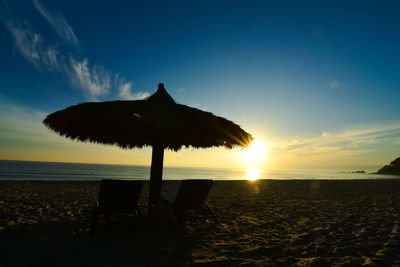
(157, 121)
(117, 197)
(192, 196)
(392, 168)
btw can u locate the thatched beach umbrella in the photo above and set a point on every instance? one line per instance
(157, 121)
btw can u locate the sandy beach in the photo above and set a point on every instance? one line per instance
(261, 223)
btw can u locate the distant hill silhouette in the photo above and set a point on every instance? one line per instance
(392, 168)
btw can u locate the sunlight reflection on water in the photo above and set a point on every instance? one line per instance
(252, 174)
(28, 170)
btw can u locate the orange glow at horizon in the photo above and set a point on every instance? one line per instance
(252, 174)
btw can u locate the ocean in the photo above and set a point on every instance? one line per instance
(33, 170)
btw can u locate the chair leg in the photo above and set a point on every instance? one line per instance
(214, 216)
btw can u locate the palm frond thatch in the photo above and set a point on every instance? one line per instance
(157, 120)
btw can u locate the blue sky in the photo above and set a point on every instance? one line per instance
(318, 83)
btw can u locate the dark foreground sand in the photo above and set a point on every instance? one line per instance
(262, 223)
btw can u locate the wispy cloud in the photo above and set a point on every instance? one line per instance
(31, 46)
(94, 80)
(21, 123)
(199, 106)
(357, 140)
(352, 147)
(125, 92)
(57, 20)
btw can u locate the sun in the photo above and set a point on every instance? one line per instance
(254, 160)
(255, 154)
(252, 174)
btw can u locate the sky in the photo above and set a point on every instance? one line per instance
(315, 82)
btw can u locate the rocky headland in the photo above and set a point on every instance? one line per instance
(392, 168)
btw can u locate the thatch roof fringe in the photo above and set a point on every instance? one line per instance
(139, 123)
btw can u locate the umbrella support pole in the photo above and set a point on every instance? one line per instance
(157, 160)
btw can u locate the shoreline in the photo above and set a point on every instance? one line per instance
(10, 170)
(394, 178)
(260, 223)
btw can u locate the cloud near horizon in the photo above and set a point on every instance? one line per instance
(350, 146)
(361, 136)
(61, 57)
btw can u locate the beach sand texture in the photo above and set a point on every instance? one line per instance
(261, 223)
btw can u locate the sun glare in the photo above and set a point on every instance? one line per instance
(254, 158)
(253, 174)
(255, 154)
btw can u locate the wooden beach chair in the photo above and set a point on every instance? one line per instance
(191, 200)
(117, 197)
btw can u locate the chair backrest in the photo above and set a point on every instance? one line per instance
(192, 194)
(119, 196)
